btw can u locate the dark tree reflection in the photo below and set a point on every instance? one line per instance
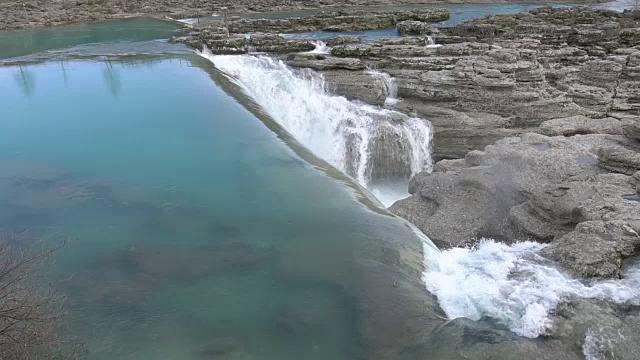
(26, 81)
(112, 78)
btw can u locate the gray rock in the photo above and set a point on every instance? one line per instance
(596, 248)
(262, 42)
(356, 85)
(322, 62)
(636, 180)
(632, 129)
(344, 39)
(580, 125)
(619, 159)
(597, 329)
(462, 338)
(543, 188)
(411, 27)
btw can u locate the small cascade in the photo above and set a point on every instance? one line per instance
(249, 47)
(430, 43)
(390, 85)
(514, 285)
(374, 146)
(321, 48)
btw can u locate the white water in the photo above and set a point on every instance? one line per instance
(390, 85)
(430, 42)
(321, 48)
(340, 131)
(513, 285)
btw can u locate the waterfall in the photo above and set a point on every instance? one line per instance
(321, 48)
(379, 148)
(390, 85)
(430, 43)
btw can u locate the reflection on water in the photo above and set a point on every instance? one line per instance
(24, 42)
(200, 235)
(112, 78)
(25, 80)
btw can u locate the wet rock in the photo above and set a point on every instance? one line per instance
(597, 329)
(465, 339)
(182, 263)
(219, 347)
(356, 85)
(294, 322)
(22, 172)
(216, 39)
(597, 248)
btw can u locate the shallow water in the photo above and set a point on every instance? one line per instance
(25, 42)
(197, 232)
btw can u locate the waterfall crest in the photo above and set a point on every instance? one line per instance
(377, 147)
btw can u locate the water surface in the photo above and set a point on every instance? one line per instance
(197, 232)
(24, 42)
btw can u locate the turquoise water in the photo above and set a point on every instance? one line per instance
(25, 42)
(197, 232)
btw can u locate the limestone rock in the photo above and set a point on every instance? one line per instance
(411, 27)
(596, 248)
(619, 159)
(322, 62)
(580, 125)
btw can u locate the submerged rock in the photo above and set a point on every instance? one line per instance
(597, 329)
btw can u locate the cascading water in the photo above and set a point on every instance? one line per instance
(390, 85)
(430, 42)
(380, 148)
(321, 48)
(514, 285)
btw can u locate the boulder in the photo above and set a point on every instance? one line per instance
(597, 329)
(597, 248)
(619, 159)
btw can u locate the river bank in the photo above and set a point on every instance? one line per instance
(32, 13)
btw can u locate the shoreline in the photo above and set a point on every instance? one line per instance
(40, 17)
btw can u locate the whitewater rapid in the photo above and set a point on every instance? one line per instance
(380, 148)
(514, 285)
